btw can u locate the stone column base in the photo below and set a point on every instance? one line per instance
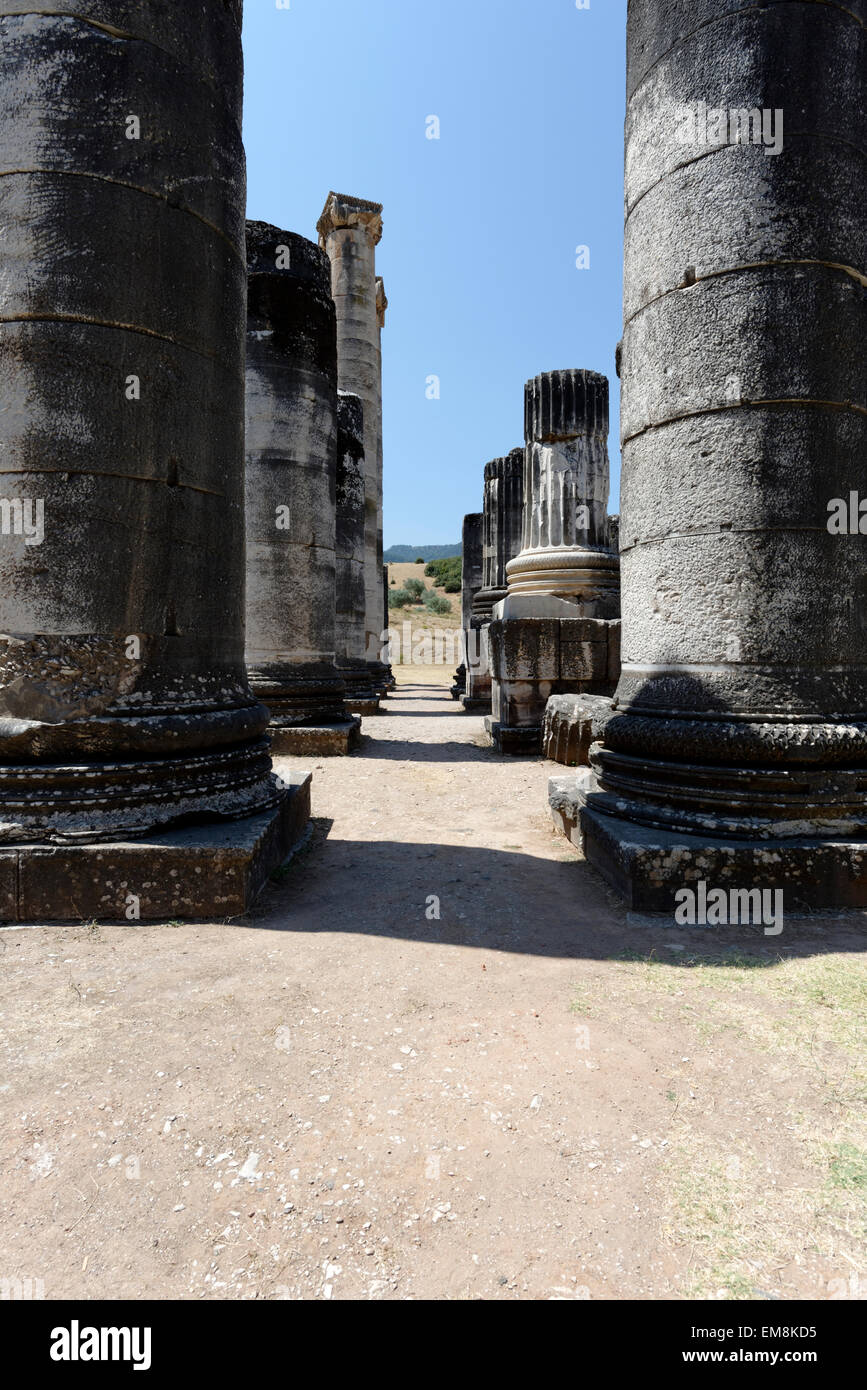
(197, 873)
(316, 740)
(522, 741)
(647, 867)
(535, 658)
(476, 704)
(364, 707)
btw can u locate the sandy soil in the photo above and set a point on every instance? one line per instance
(438, 1060)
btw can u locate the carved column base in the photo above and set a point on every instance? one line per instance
(87, 803)
(591, 577)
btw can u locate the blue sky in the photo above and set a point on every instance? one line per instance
(481, 226)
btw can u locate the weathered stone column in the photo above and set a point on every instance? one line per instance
(738, 755)
(557, 632)
(472, 574)
(124, 702)
(389, 682)
(349, 232)
(501, 542)
(291, 493)
(564, 550)
(349, 633)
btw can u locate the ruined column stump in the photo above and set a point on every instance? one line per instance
(501, 542)
(737, 754)
(557, 631)
(124, 702)
(472, 574)
(291, 507)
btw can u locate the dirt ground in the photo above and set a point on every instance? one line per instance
(437, 1061)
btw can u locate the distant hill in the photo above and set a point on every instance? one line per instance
(406, 554)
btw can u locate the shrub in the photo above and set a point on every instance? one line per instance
(415, 587)
(444, 572)
(420, 560)
(453, 586)
(400, 598)
(435, 604)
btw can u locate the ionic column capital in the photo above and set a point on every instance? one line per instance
(343, 211)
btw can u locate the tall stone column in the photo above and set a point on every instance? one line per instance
(124, 702)
(349, 232)
(472, 574)
(349, 633)
(501, 542)
(556, 631)
(738, 754)
(291, 507)
(389, 682)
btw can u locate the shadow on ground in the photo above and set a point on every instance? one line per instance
(504, 900)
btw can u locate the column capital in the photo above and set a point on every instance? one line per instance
(342, 210)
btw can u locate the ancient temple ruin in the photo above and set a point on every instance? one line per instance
(737, 754)
(291, 505)
(557, 630)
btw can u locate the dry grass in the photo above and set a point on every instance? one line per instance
(798, 1190)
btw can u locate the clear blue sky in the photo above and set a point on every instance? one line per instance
(481, 226)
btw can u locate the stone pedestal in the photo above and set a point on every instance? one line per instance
(291, 494)
(472, 573)
(501, 542)
(738, 749)
(361, 696)
(557, 630)
(349, 231)
(124, 702)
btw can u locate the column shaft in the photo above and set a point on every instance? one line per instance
(123, 697)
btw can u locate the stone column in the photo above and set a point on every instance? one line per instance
(557, 632)
(349, 232)
(351, 651)
(472, 572)
(738, 754)
(124, 702)
(291, 493)
(501, 542)
(381, 307)
(564, 550)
